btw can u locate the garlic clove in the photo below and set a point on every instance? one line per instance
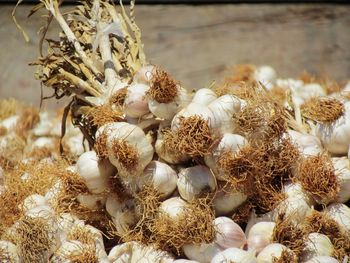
(234, 255)
(229, 234)
(317, 245)
(161, 176)
(260, 235)
(272, 251)
(95, 172)
(204, 96)
(203, 253)
(136, 104)
(341, 214)
(173, 207)
(194, 181)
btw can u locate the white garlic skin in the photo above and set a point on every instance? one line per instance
(95, 172)
(136, 104)
(10, 251)
(131, 252)
(228, 233)
(201, 252)
(161, 176)
(323, 259)
(144, 74)
(260, 235)
(47, 142)
(33, 201)
(122, 213)
(134, 137)
(266, 75)
(167, 111)
(234, 255)
(195, 180)
(92, 201)
(228, 142)
(204, 96)
(295, 190)
(307, 144)
(173, 207)
(342, 171)
(296, 208)
(341, 214)
(317, 245)
(272, 251)
(223, 109)
(336, 135)
(227, 200)
(10, 122)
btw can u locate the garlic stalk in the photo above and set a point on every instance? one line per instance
(161, 176)
(260, 235)
(234, 255)
(194, 181)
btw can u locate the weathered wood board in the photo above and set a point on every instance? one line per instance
(197, 43)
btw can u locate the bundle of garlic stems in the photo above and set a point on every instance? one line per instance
(254, 169)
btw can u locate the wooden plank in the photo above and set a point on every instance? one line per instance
(197, 43)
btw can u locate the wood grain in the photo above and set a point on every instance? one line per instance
(197, 43)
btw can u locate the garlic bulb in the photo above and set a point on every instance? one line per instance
(45, 124)
(92, 201)
(272, 251)
(9, 123)
(95, 172)
(228, 233)
(296, 208)
(322, 259)
(342, 171)
(227, 200)
(128, 149)
(228, 142)
(341, 214)
(295, 190)
(335, 136)
(33, 201)
(122, 213)
(203, 253)
(317, 245)
(9, 252)
(41, 211)
(47, 142)
(173, 207)
(266, 75)
(204, 96)
(161, 176)
(300, 94)
(260, 235)
(168, 110)
(135, 103)
(223, 109)
(306, 143)
(132, 252)
(185, 261)
(234, 255)
(193, 181)
(144, 74)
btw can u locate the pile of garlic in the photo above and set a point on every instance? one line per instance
(253, 169)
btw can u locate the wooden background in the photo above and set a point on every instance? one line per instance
(197, 43)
